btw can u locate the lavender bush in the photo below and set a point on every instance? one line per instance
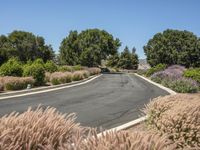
(172, 77)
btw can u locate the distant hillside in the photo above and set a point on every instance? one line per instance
(143, 64)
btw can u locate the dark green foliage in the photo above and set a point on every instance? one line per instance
(128, 60)
(113, 60)
(87, 48)
(50, 66)
(193, 74)
(37, 71)
(11, 68)
(173, 47)
(25, 46)
(155, 69)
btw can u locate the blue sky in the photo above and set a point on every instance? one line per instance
(134, 22)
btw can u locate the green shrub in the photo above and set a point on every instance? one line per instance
(60, 77)
(157, 68)
(50, 66)
(37, 71)
(193, 74)
(65, 68)
(11, 68)
(86, 73)
(77, 67)
(17, 83)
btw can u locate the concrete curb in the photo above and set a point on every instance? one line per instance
(49, 89)
(139, 120)
(158, 85)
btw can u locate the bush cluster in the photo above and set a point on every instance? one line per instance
(37, 71)
(78, 75)
(15, 83)
(178, 116)
(60, 77)
(50, 66)
(155, 69)
(49, 129)
(193, 74)
(172, 77)
(11, 68)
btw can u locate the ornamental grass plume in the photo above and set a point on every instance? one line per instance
(16, 83)
(94, 70)
(60, 77)
(78, 75)
(177, 116)
(124, 140)
(40, 129)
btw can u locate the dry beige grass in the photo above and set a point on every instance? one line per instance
(39, 129)
(178, 116)
(123, 140)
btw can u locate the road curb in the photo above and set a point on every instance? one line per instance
(158, 85)
(49, 89)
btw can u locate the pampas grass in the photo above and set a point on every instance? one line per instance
(16, 83)
(178, 116)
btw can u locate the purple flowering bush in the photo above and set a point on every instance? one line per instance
(172, 77)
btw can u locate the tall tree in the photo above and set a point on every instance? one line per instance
(128, 60)
(88, 48)
(69, 49)
(173, 47)
(25, 46)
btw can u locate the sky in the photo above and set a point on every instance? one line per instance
(134, 22)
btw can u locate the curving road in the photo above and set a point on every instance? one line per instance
(108, 101)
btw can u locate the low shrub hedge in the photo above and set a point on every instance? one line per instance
(157, 68)
(177, 116)
(60, 77)
(17, 83)
(11, 68)
(78, 75)
(193, 74)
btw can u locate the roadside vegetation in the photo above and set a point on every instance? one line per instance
(174, 57)
(16, 75)
(172, 123)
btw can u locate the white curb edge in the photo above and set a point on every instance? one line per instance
(49, 90)
(159, 85)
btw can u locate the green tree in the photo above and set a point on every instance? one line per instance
(69, 50)
(128, 60)
(173, 47)
(113, 60)
(25, 46)
(88, 48)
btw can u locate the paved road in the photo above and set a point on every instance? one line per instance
(108, 101)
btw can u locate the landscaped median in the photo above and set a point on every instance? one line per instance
(18, 76)
(173, 122)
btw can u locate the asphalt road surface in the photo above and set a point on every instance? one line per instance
(108, 101)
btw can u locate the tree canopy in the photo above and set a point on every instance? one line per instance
(173, 47)
(87, 48)
(126, 60)
(25, 46)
